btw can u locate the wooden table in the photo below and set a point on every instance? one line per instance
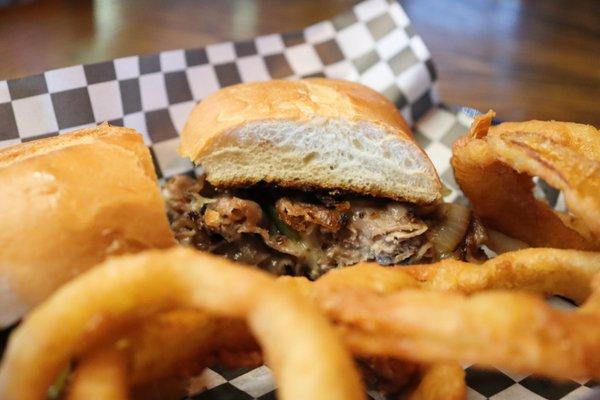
(525, 59)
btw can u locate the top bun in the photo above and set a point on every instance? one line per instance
(309, 134)
(67, 203)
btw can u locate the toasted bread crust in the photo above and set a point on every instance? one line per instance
(216, 122)
(68, 203)
(286, 100)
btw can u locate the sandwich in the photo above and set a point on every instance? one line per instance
(69, 202)
(294, 177)
(299, 177)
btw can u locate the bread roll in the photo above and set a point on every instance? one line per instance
(67, 203)
(309, 134)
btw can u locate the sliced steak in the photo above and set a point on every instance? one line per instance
(295, 236)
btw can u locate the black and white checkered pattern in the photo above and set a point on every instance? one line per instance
(373, 43)
(494, 385)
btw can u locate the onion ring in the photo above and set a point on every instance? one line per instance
(566, 273)
(549, 271)
(166, 349)
(101, 375)
(437, 381)
(493, 166)
(175, 343)
(178, 343)
(104, 375)
(182, 343)
(441, 381)
(125, 290)
(513, 330)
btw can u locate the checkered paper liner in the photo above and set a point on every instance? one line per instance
(374, 43)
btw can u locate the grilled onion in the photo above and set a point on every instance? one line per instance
(500, 243)
(452, 228)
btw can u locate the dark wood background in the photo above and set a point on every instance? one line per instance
(524, 58)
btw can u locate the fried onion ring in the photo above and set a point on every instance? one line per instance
(151, 355)
(182, 343)
(163, 352)
(441, 381)
(437, 381)
(100, 375)
(104, 375)
(493, 166)
(513, 330)
(566, 273)
(179, 343)
(125, 290)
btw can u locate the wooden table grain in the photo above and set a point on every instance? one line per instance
(526, 59)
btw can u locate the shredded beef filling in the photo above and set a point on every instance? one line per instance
(295, 233)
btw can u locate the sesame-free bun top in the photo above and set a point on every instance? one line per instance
(309, 134)
(67, 203)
